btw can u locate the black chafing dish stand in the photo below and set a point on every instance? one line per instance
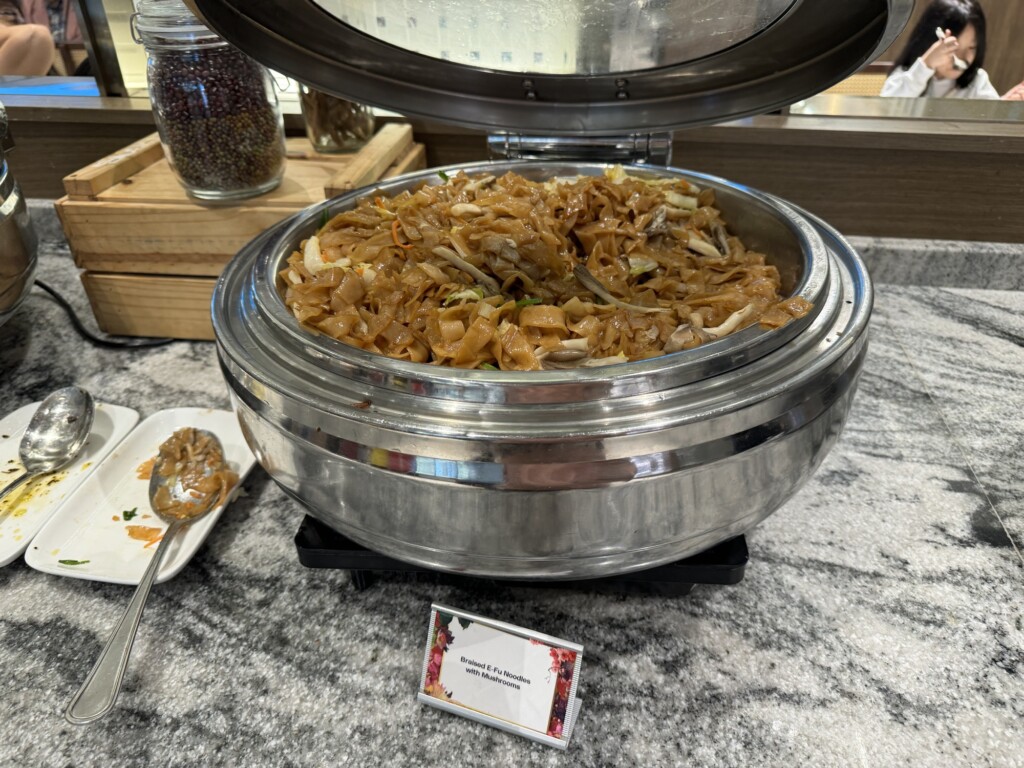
(320, 546)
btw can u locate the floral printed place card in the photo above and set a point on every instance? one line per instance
(506, 676)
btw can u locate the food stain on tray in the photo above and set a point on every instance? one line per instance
(145, 470)
(18, 503)
(145, 533)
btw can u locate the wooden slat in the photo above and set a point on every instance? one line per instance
(415, 160)
(151, 227)
(134, 305)
(95, 227)
(390, 143)
(302, 185)
(178, 264)
(115, 167)
(151, 253)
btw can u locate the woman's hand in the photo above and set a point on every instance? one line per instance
(1014, 94)
(940, 56)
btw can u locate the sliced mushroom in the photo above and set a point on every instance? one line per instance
(457, 261)
(686, 336)
(597, 362)
(565, 355)
(721, 238)
(732, 322)
(703, 247)
(584, 362)
(475, 185)
(592, 284)
(657, 225)
(462, 209)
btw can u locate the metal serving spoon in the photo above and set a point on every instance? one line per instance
(98, 693)
(55, 435)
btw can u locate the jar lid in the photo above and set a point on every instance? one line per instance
(167, 20)
(590, 67)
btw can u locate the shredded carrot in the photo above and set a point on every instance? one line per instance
(144, 533)
(379, 201)
(394, 236)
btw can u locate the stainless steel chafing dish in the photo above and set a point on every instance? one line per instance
(17, 239)
(558, 474)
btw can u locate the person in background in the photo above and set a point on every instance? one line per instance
(949, 66)
(58, 15)
(25, 49)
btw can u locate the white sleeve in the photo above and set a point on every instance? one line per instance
(908, 82)
(982, 87)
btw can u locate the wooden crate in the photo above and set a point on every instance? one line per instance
(151, 254)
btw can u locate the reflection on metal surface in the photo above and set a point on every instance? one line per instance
(836, 105)
(715, 62)
(17, 242)
(561, 38)
(635, 148)
(556, 474)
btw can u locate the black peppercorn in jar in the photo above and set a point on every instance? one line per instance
(215, 108)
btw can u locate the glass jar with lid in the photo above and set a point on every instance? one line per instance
(216, 109)
(334, 124)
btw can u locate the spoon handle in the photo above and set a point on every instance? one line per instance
(22, 479)
(98, 693)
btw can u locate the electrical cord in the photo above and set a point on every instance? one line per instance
(92, 338)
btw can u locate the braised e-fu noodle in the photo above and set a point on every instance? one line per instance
(507, 273)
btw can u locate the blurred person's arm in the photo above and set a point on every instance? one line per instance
(35, 12)
(913, 81)
(982, 87)
(910, 82)
(1015, 94)
(72, 32)
(25, 49)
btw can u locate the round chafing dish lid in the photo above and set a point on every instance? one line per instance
(591, 67)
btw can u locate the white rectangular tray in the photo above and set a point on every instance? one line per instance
(89, 528)
(26, 510)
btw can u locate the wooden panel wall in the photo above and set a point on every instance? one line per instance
(1004, 56)
(867, 177)
(45, 152)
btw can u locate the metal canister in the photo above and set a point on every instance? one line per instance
(17, 238)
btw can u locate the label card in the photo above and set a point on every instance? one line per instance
(506, 676)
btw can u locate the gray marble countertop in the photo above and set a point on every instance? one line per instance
(879, 622)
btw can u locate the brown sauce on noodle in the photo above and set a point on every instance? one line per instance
(199, 463)
(486, 273)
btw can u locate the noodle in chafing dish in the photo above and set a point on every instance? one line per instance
(507, 273)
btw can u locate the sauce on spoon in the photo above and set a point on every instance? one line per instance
(194, 461)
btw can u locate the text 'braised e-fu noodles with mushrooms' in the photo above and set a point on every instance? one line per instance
(508, 273)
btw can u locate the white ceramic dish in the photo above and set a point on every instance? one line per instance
(89, 528)
(25, 511)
